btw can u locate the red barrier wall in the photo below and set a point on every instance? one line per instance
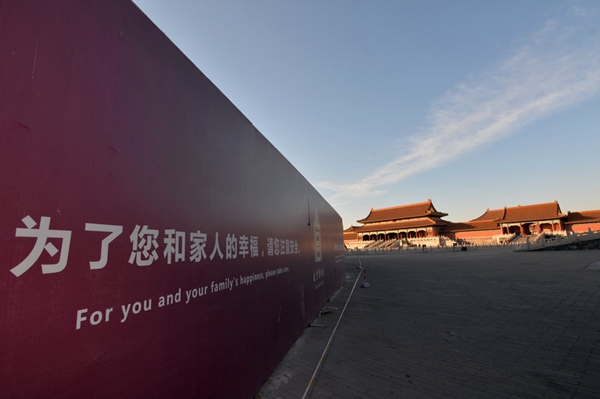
(153, 243)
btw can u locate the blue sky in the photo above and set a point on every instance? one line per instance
(473, 104)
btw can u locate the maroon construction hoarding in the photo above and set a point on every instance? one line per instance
(153, 243)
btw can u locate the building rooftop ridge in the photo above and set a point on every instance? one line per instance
(401, 206)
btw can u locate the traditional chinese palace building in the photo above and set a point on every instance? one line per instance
(422, 222)
(400, 222)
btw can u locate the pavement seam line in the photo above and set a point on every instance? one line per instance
(332, 334)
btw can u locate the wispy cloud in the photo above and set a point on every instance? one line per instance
(554, 68)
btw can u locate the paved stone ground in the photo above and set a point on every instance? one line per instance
(474, 324)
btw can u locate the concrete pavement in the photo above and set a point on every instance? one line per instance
(474, 324)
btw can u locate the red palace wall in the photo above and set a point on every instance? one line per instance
(473, 234)
(153, 243)
(582, 228)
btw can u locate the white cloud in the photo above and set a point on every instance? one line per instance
(555, 68)
(582, 12)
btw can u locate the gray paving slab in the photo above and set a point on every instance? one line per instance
(469, 324)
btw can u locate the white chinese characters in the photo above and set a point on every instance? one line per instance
(114, 231)
(144, 245)
(42, 235)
